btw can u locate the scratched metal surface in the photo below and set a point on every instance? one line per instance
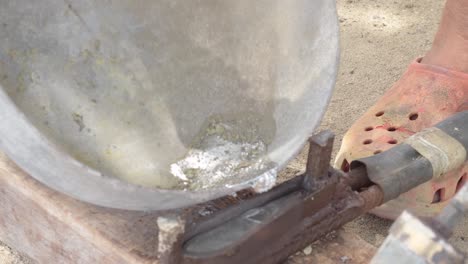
(98, 98)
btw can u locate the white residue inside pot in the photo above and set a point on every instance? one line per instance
(224, 151)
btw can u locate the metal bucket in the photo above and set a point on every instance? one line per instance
(128, 104)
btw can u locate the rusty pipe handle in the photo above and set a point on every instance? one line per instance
(402, 167)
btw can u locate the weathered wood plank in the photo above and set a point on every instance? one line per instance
(53, 228)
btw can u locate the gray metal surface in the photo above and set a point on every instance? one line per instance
(413, 241)
(454, 212)
(99, 98)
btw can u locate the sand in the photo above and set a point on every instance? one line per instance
(379, 38)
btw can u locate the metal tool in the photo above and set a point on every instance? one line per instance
(414, 240)
(268, 227)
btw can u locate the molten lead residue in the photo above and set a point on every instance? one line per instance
(224, 151)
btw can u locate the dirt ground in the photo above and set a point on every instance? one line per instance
(379, 38)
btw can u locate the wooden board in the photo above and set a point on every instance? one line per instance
(51, 227)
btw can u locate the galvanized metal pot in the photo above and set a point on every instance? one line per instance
(99, 98)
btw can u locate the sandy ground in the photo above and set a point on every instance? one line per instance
(379, 38)
(9, 256)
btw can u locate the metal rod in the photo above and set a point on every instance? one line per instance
(318, 161)
(357, 178)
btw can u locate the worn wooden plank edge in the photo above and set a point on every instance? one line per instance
(50, 227)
